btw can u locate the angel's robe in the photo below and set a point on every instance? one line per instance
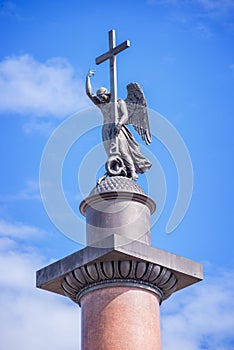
(128, 148)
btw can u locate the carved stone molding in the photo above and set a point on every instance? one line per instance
(117, 188)
(132, 273)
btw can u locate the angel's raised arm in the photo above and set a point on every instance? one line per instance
(89, 93)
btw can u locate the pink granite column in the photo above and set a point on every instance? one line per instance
(120, 318)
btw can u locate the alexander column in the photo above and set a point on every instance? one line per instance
(119, 280)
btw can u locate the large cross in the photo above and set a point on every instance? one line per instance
(111, 55)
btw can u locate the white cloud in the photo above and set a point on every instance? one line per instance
(201, 317)
(39, 89)
(31, 318)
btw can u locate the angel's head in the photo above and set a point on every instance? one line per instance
(103, 94)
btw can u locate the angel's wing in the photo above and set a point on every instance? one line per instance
(137, 111)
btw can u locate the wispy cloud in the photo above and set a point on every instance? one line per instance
(203, 29)
(201, 317)
(216, 9)
(19, 230)
(29, 192)
(44, 126)
(39, 89)
(9, 9)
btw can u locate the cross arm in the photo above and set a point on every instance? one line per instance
(124, 45)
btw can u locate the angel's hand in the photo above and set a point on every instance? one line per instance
(91, 73)
(117, 129)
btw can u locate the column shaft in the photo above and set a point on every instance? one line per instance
(120, 318)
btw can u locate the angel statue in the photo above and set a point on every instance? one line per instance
(124, 155)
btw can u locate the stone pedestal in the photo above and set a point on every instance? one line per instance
(117, 206)
(119, 280)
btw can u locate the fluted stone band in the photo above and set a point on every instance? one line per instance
(132, 273)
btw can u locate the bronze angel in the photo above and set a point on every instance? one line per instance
(132, 110)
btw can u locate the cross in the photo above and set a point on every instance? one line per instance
(111, 55)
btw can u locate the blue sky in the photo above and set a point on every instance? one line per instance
(182, 55)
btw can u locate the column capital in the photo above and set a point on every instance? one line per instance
(115, 273)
